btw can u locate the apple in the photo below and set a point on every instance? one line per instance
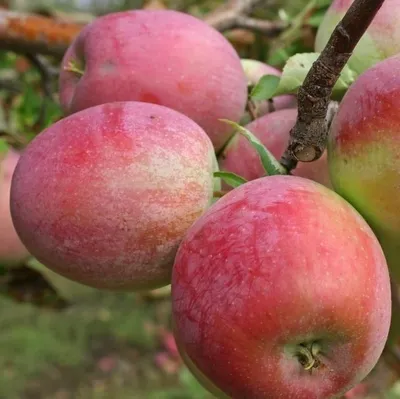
(380, 41)
(12, 251)
(255, 70)
(364, 153)
(281, 290)
(105, 195)
(273, 130)
(158, 56)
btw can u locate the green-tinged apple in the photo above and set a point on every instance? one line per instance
(104, 196)
(12, 251)
(364, 153)
(380, 41)
(273, 130)
(255, 70)
(163, 57)
(281, 290)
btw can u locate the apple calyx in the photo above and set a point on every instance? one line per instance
(307, 355)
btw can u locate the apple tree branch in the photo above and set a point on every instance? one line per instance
(235, 15)
(38, 34)
(309, 135)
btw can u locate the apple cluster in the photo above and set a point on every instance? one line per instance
(280, 285)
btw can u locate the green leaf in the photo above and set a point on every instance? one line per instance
(265, 88)
(230, 178)
(297, 68)
(269, 162)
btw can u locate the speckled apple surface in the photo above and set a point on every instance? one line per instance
(276, 264)
(163, 57)
(364, 152)
(104, 196)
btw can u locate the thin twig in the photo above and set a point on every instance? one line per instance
(309, 135)
(235, 14)
(38, 34)
(223, 14)
(47, 74)
(10, 85)
(252, 108)
(267, 28)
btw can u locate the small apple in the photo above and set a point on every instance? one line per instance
(281, 290)
(255, 70)
(163, 57)
(12, 251)
(104, 196)
(380, 41)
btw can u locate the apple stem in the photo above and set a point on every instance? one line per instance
(307, 355)
(220, 194)
(308, 137)
(73, 67)
(252, 108)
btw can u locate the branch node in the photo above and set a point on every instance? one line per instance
(308, 137)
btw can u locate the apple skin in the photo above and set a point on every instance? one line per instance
(104, 196)
(159, 56)
(255, 70)
(380, 41)
(279, 262)
(12, 251)
(273, 130)
(364, 153)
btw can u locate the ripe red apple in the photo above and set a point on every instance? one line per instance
(364, 153)
(159, 56)
(104, 196)
(281, 290)
(255, 70)
(381, 40)
(273, 130)
(12, 251)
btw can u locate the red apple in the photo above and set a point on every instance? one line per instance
(364, 153)
(281, 290)
(159, 56)
(381, 40)
(12, 251)
(273, 130)
(104, 196)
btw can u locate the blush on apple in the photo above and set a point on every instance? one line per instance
(12, 251)
(158, 56)
(380, 41)
(364, 153)
(104, 196)
(281, 290)
(273, 130)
